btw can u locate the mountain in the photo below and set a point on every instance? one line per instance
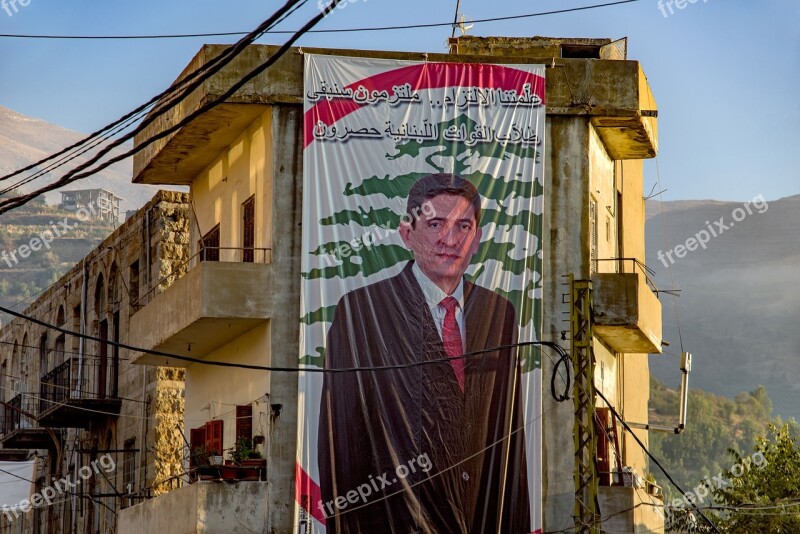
(739, 305)
(24, 140)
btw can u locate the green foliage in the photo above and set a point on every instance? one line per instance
(760, 492)
(717, 433)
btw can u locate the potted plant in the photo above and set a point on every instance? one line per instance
(201, 460)
(251, 461)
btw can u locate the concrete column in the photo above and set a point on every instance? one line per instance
(286, 214)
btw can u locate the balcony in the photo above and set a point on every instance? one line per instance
(205, 507)
(20, 429)
(78, 392)
(220, 298)
(630, 509)
(627, 313)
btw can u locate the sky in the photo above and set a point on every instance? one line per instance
(725, 73)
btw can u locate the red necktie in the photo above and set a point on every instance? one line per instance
(451, 337)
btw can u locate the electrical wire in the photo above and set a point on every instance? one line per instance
(552, 345)
(654, 459)
(332, 30)
(171, 96)
(81, 172)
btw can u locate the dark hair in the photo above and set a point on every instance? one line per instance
(433, 185)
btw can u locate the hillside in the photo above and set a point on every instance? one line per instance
(739, 302)
(24, 140)
(25, 271)
(714, 425)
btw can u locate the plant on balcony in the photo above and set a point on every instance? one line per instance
(244, 451)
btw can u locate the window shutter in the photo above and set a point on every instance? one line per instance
(197, 439)
(249, 228)
(244, 422)
(214, 436)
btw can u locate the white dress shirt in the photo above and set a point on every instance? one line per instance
(434, 296)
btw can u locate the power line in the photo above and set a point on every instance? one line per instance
(555, 346)
(164, 101)
(81, 172)
(654, 459)
(332, 30)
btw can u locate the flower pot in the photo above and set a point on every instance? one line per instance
(249, 473)
(215, 459)
(228, 472)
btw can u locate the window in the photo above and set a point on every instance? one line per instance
(59, 350)
(102, 371)
(129, 467)
(44, 364)
(209, 245)
(133, 279)
(244, 422)
(76, 327)
(249, 229)
(609, 462)
(197, 441)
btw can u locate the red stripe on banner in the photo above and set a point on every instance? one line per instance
(306, 487)
(425, 76)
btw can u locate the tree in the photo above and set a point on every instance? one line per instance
(758, 493)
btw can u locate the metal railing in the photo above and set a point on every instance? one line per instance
(93, 378)
(232, 255)
(219, 254)
(637, 264)
(12, 416)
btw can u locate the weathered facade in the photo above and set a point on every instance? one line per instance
(71, 402)
(243, 163)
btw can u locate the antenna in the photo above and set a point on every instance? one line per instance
(686, 368)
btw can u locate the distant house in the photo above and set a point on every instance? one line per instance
(97, 203)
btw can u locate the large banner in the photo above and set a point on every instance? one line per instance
(421, 276)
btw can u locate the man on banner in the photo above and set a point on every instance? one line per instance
(462, 415)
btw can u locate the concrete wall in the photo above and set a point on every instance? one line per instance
(202, 508)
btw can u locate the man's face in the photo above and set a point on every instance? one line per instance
(444, 239)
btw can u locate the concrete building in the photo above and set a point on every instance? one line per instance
(95, 203)
(239, 301)
(69, 402)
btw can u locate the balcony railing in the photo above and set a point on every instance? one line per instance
(232, 254)
(13, 418)
(79, 378)
(220, 254)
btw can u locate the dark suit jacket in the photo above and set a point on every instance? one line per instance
(371, 422)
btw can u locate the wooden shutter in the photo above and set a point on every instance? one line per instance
(601, 426)
(210, 245)
(197, 439)
(244, 422)
(214, 436)
(249, 229)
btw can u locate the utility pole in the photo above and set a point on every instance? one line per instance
(586, 509)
